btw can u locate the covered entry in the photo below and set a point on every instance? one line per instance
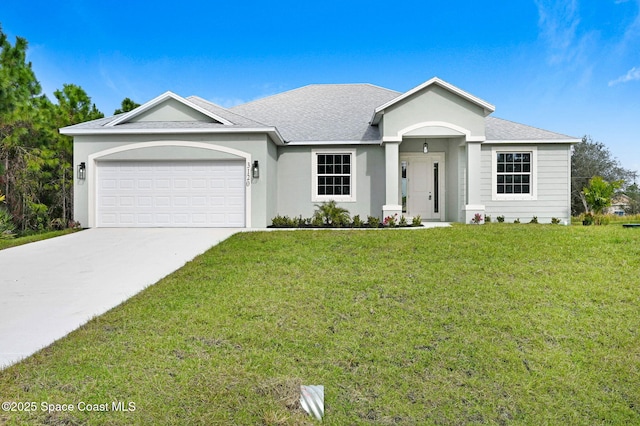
(423, 185)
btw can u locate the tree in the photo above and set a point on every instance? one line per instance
(589, 159)
(599, 193)
(55, 154)
(126, 106)
(633, 192)
(19, 92)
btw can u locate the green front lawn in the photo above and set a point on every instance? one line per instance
(504, 324)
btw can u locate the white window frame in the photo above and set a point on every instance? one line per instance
(314, 176)
(533, 181)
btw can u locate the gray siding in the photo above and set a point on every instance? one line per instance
(553, 179)
(258, 145)
(434, 104)
(295, 186)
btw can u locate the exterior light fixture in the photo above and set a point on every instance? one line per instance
(255, 170)
(82, 171)
(425, 148)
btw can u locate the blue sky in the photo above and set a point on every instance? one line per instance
(569, 66)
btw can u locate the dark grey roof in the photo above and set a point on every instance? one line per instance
(505, 130)
(321, 112)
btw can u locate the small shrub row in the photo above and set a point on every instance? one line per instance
(534, 219)
(329, 215)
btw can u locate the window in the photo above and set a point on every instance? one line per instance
(514, 173)
(333, 175)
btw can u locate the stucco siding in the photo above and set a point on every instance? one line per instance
(171, 110)
(254, 144)
(295, 181)
(552, 174)
(434, 104)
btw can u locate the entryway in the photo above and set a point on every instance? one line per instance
(423, 185)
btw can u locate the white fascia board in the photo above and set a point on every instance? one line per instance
(271, 131)
(158, 100)
(300, 143)
(488, 108)
(530, 141)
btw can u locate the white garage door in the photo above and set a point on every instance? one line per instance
(170, 194)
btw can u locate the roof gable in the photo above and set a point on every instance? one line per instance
(486, 107)
(169, 107)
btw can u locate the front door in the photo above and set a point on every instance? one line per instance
(423, 185)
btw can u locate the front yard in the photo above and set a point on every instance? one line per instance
(497, 324)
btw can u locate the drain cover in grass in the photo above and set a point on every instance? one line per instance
(312, 400)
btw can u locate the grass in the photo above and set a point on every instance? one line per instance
(18, 241)
(611, 219)
(500, 324)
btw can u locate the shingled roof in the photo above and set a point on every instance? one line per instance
(315, 113)
(321, 112)
(497, 129)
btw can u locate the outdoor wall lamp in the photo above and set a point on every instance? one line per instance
(425, 148)
(82, 171)
(255, 170)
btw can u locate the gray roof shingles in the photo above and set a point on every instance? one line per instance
(321, 112)
(504, 130)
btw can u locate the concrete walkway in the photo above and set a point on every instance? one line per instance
(51, 287)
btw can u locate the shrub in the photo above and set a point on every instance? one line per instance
(500, 219)
(534, 220)
(476, 219)
(357, 222)
(316, 221)
(555, 221)
(7, 228)
(331, 214)
(517, 220)
(587, 219)
(601, 219)
(373, 221)
(282, 222)
(487, 218)
(403, 221)
(416, 221)
(391, 221)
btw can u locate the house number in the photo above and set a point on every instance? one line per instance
(248, 180)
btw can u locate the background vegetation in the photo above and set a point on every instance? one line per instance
(36, 161)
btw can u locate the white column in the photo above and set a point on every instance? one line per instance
(392, 173)
(474, 203)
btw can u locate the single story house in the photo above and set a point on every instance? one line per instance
(619, 205)
(434, 152)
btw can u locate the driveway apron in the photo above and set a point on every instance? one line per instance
(51, 287)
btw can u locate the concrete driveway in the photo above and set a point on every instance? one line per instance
(51, 287)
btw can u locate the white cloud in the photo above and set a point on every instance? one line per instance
(631, 75)
(558, 22)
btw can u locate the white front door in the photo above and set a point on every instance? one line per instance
(423, 185)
